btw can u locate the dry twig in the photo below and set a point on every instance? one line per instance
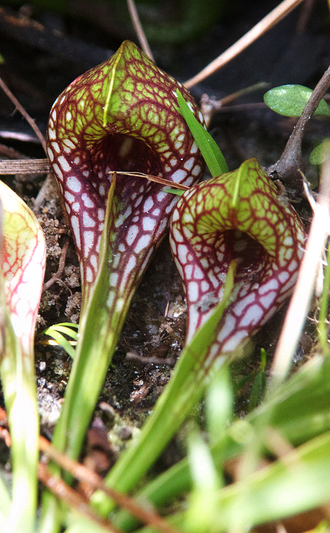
(57, 276)
(24, 113)
(138, 28)
(32, 33)
(288, 167)
(86, 475)
(150, 177)
(72, 498)
(169, 361)
(300, 301)
(24, 166)
(209, 106)
(244, 42)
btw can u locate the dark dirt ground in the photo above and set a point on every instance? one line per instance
(38, 65)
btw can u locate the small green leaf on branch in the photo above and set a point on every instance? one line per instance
(290, 100)
(320, 153)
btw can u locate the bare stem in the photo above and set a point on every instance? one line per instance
(270, 20)
(288, 167)
(80, 472)
(57, 276)
(72, 498)
(300, 301)
(209, 106)
(151, 177)
(24, 113)
(138, 28)
(24, 166)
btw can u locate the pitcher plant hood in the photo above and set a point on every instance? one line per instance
(239, 216)
(121, 115)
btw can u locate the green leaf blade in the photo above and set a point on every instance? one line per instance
(320, 153)
(62, 341)
(182, 393)
(177, 192)
(207, 145)
(294, 484)
(299, 412)
(290, 100)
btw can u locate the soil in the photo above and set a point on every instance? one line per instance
(37, 69)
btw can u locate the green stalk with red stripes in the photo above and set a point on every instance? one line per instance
(22, 268)
(239, 216)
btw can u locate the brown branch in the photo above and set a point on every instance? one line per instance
(150, 177)
(210, 106)
(32, 33)
(60, 270)
(139, 30)
(11, 153)
(72, 498)
(170, 361)
(85, 475)
(288, 167)
(24, 166)
(24, 113)
(305, 16)
(244, 42)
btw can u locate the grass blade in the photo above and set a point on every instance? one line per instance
(298, 411)
(210, 150)
(181, 394)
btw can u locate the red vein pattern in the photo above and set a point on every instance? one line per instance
(220, 221)
(23, 265)
(143, 132)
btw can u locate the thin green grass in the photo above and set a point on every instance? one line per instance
(298, 411)
(57, 332)
(181, 394)
(207, 145)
